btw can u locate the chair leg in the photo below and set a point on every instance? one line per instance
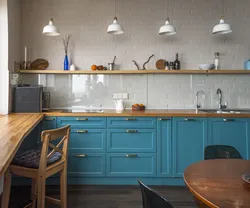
(63, 188)
(41, 192)
(34, 192)
(6, 189)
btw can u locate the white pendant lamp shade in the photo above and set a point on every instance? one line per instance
(167, 29)
(222, 28)
(115, 28)
(51, 29)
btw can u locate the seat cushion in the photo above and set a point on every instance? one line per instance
(31, 158)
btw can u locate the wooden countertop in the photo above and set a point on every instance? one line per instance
(14, 128)
(153, 113)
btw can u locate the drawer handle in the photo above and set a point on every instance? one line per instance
(228, 120)
(189, 119)
(163, 119)
(131, 155)
(82, 131)
(131, 131)
(130, 119)
(81, 119)
(82, 155)
(49, 119)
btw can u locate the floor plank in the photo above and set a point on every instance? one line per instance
(106, 196)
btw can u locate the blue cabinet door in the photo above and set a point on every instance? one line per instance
(86, 164)
(48, 123)
(131, 165)
(230, 131)
(131, 122)
(87, 140)
(164, 132)
(131, 140)
(82, 122)
(189, 140)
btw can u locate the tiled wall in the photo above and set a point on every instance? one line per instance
(87, 21)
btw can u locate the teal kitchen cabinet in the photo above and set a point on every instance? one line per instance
(87, 140)
(86, 165)
(82, 122)
(164, 143)
(131, 165)
(48, 123)
(189, 141)
(131, 122)
(230, 131)
(131, 140)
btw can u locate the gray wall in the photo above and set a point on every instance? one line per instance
(87, 21)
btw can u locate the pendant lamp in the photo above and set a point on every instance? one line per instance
(167, 29)
(51, 29)
(222, 27)
(115, 28)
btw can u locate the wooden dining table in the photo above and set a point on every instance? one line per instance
(219, 183)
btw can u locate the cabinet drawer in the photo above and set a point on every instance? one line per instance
(131, 122)
(131, 165)
(48, 123)
(87, 140)
(83, 164)
(131, 140)
(85, 122)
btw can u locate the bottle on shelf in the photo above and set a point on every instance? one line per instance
(217, 61)
(177, 63)
(171, 65)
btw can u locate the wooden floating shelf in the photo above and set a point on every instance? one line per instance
(136, 72)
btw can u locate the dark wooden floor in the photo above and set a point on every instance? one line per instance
(106, 196)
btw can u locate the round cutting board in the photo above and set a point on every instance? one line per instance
(160, 64)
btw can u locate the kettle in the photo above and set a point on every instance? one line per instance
(119, 105)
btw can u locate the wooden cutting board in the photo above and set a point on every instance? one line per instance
(160, 64)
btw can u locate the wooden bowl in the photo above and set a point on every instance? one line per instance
(138, 108)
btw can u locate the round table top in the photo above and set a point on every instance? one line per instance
(218, 183)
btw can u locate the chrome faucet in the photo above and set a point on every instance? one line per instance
(198, 106)
(220, 105)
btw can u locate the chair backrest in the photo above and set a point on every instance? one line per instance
(152, 199)
(49, 149)
(221, 152)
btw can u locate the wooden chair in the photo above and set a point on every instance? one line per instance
(152, 199)
(42, 163)
(221, 152)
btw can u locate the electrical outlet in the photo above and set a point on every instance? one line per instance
(124, 95)
(120, 95)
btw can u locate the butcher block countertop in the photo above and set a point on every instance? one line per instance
(13, 129)
(153, 113)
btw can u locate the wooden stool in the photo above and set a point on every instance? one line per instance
(39, 165)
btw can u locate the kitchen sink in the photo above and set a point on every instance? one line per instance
(227, 111)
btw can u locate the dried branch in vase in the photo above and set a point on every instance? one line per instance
(137, 66)
(147, 61)
(65, 41)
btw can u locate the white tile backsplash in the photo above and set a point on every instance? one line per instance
(155, 91)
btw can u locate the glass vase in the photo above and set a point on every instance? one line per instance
(66, 62)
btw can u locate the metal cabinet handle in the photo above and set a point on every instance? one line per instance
(228, 119)
(189, 119)
(82, 155)
(82, 131)
(130, 119)
(82, 119)
(131, 131)
(163, 119)
(131, 155)
(49, 119)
